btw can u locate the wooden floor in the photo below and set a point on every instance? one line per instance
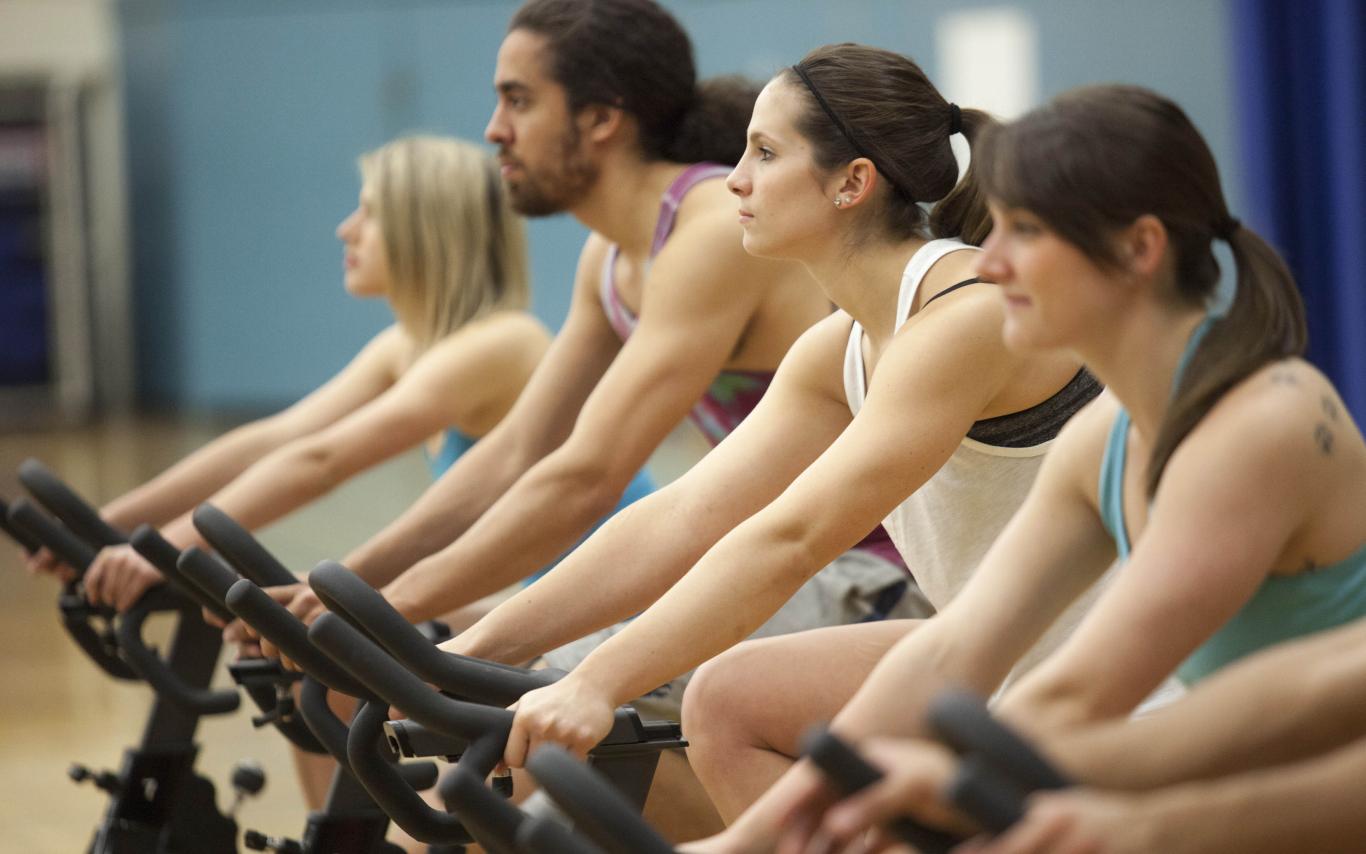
(56, 708)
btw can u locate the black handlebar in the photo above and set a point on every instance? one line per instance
(239, 548)
(41, 528)
(600, 811)
(78, 615)
(999, 769)
(25, 541)
(850, 773)
(490, 819)
(387, 787)
(962, 721)
(283, 629)
(541, 835)
(149, 543)
(161, 676)
(63, 502)
(347, 594)
(396, 686)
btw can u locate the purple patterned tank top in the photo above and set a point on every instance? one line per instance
(733, 394)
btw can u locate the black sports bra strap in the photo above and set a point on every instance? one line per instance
(950, 289)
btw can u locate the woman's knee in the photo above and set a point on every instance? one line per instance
(716, 693)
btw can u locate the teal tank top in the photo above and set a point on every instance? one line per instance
(454, 444)
(1281, 609)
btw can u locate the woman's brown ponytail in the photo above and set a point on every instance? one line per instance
(1094, 160)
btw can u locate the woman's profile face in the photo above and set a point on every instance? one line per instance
(366, 261)
(782, 203)
(1054, 294)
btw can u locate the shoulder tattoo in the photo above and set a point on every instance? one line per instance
(1323, 437)
(1330, 407)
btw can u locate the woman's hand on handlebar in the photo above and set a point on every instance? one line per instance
(300, 600)
(916, 773)
(571, 713)
(118, 577)
(44, 562)
(1080, 821)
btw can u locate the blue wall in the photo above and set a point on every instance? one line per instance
(245, 119)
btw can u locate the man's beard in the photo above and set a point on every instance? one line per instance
(555, 191)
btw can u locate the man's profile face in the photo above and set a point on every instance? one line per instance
(540, 149)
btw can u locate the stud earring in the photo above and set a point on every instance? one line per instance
(838, 201)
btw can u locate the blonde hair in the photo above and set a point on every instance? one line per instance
(456, 249)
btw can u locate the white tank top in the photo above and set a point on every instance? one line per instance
(946, 526)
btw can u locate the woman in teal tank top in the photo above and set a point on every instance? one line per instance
(1221, 474)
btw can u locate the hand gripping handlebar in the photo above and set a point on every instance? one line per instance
(347, 594)
(850, 773)
(999, 769)
(239, 548)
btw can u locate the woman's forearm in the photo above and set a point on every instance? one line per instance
(192, 480)
(445, 510)
(741, 582)
(542, 515)
(632, 560)
(1289, 702)
(1316, 805)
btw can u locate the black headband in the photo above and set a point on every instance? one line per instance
(955, 126)
(844, 129)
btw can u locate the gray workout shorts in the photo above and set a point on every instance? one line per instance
(857, 587)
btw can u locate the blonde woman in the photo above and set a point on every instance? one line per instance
(433, 235)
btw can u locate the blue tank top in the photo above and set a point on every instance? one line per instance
(454, 444)
(1284, 607)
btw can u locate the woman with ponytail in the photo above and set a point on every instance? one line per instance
(1221, 469)
(904, 407)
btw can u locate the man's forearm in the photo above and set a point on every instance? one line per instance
(445, 511)
(544, 514)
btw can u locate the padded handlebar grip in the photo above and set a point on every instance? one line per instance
(599, 811)
(149, 543)
(484, 681)
(850, 773)
(198, 701)
(541, 835)
(63, 502)
(489, 818)
(206, 572)
(25, 541)
(962, 721)
(239, 548)
(395, 685)
(52, 534)
(980, 790)
(283, 629)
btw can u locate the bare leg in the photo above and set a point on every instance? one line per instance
(746, 710)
